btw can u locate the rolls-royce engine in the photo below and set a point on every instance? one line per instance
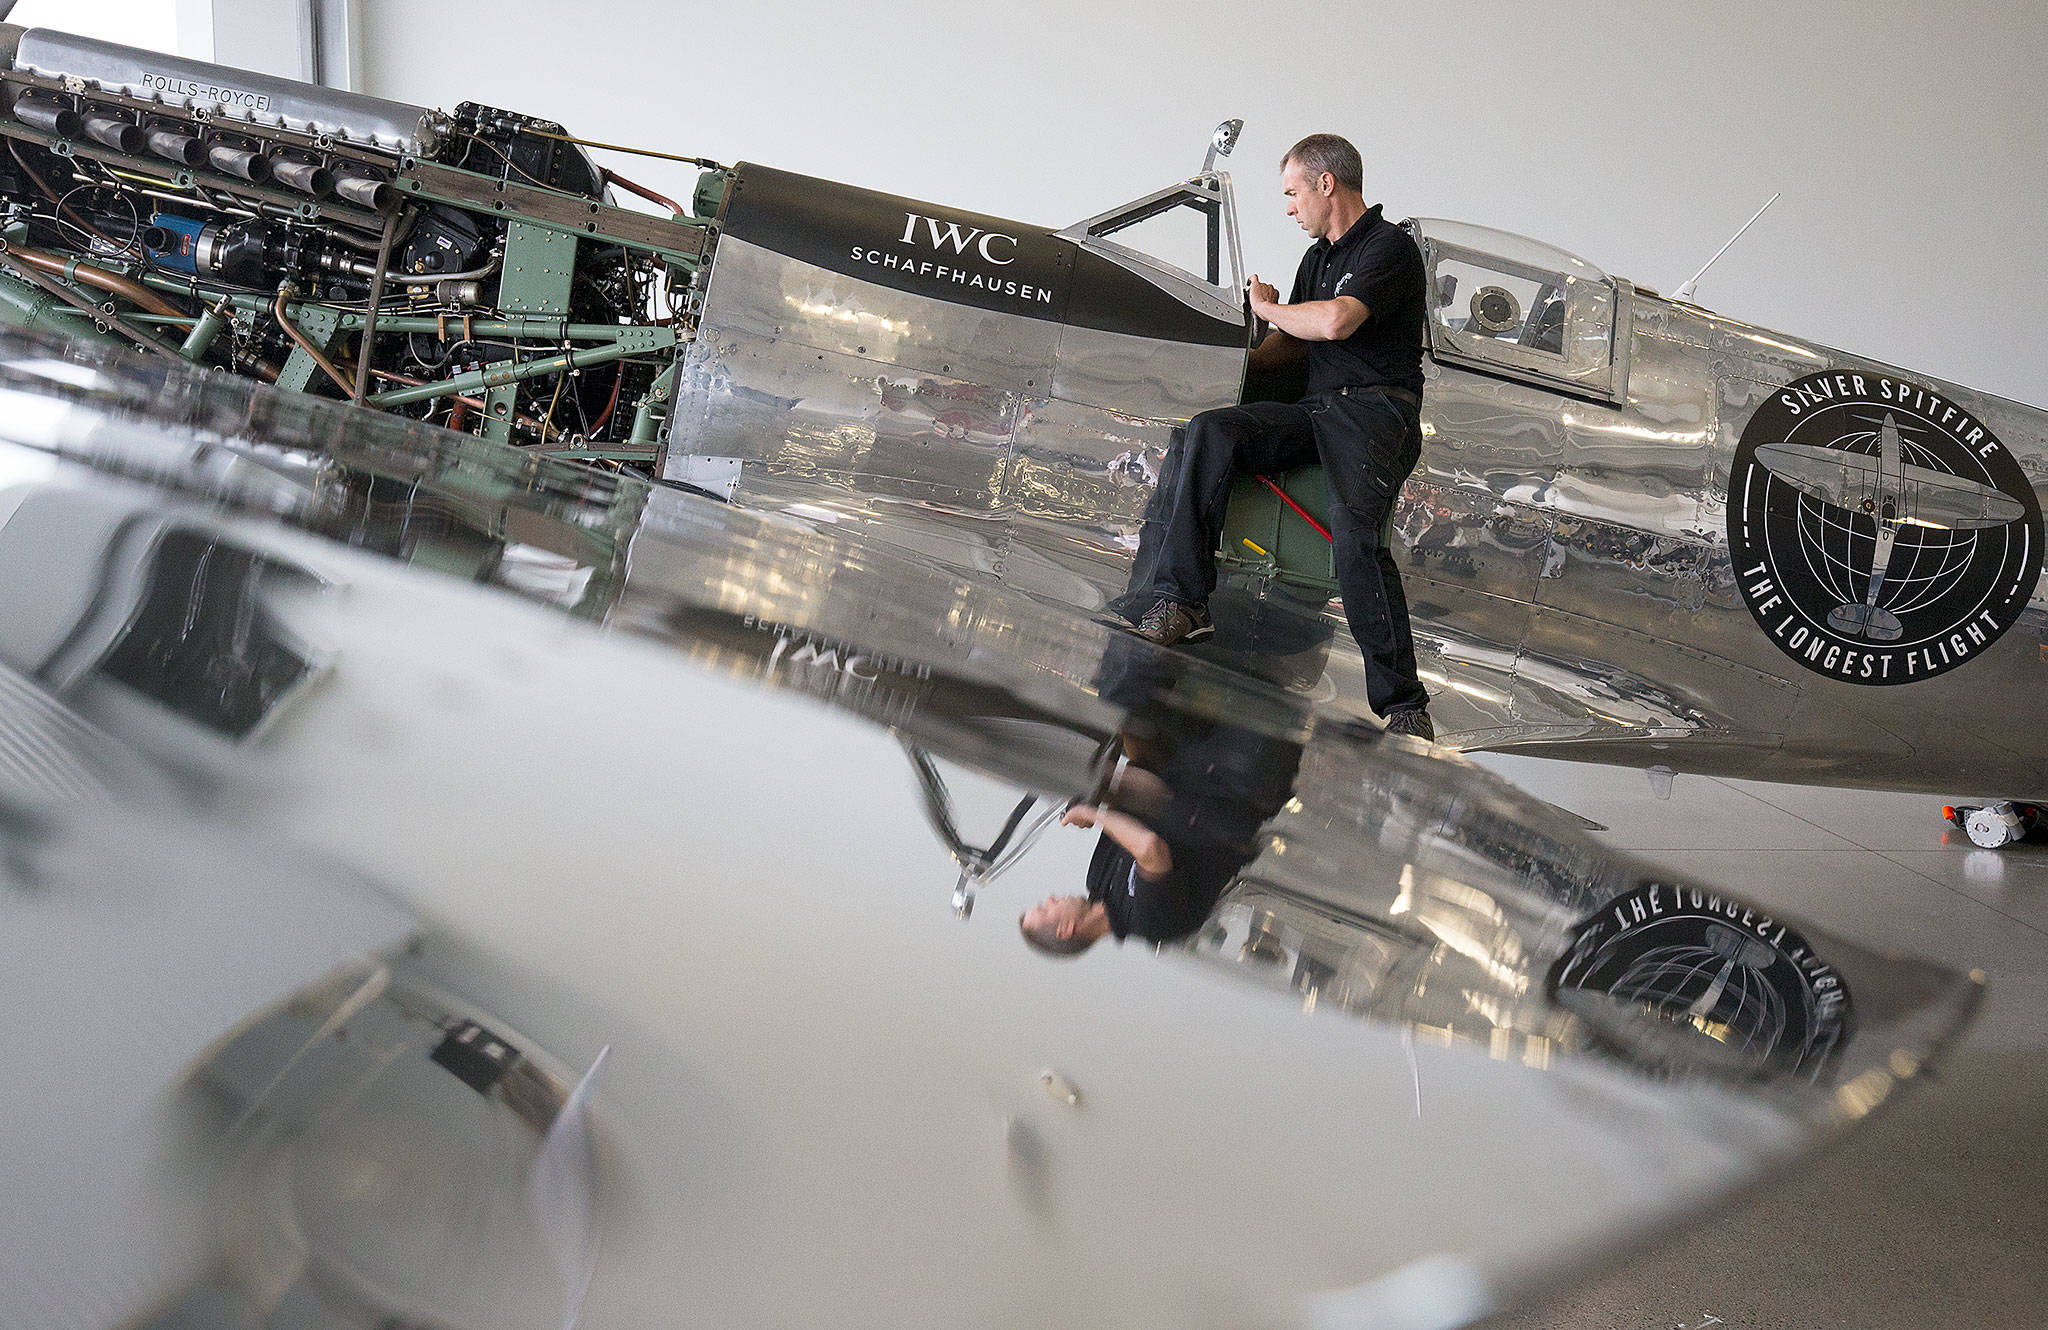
(472, 268)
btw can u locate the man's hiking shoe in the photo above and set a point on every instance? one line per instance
(1169, 621)
(1413, 722)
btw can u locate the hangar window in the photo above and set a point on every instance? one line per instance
(1182, 238)
(1518, 307)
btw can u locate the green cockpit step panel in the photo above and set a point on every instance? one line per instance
(1293, 551)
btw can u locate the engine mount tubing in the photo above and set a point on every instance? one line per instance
(173, 147)
(370, 314)
(540, 329)
(499, 378)
(75, 270)
(147, 320)
(537, 328)
(48, 116)
(300, 340)
(475, 404)
(118, 134)
(70, 297)
(534, 326)
(552, 330)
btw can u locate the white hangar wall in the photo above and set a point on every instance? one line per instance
(1911, 143)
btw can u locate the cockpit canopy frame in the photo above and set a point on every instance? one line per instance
(1208, 193)
(1507, 305)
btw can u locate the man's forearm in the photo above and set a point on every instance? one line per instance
(1146, 845)
(1315, 320)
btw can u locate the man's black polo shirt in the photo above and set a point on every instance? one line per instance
(1379, 263)
(1156, 911)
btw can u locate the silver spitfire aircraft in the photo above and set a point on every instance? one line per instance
(1640, 533)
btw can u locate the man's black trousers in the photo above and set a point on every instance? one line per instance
(1367, 443)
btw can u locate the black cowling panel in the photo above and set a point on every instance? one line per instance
(960, 257)
(1113, 298)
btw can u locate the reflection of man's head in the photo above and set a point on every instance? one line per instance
(1063, 925)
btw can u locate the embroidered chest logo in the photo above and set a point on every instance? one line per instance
(1880, 533)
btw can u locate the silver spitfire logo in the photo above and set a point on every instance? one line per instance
(1880, 533)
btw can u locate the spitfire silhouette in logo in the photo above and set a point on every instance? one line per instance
(1880, 533)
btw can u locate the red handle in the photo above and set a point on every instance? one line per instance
(1288, 499)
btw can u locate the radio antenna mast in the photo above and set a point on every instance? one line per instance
(1685, 290)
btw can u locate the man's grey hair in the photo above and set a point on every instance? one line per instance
(1045, 939)
(1328, 152)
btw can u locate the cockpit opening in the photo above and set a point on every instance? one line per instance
(1171, 235)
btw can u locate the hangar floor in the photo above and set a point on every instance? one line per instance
(1937, 1212)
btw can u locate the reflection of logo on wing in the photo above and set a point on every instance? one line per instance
(1879, 533)
(1683, 980)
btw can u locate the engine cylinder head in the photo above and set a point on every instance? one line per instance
(49, 116)
(366, 191)
(118, 134)
(302, 176)
(253, 167)
(176, 147)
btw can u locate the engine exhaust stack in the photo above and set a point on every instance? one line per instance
(253, 167)
(302, 176)
(366, 191)
(48, 116)
(176, 147)
(118, 134)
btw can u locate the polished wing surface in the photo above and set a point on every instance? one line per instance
(402, 775)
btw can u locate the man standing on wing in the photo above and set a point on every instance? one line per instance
(1356, 314)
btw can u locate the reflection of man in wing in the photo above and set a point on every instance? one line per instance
(1178, 820)
(1132, 890)
(1893, 493)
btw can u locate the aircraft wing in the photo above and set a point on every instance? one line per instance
(1927, 497)
(342, 979)
(1935, 499)
(136, 941)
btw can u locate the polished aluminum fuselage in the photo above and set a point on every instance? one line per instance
(1608, 626)
(1563, 540)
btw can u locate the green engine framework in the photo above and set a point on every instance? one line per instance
(472, 268)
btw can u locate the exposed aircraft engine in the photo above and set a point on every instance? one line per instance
(469, 268)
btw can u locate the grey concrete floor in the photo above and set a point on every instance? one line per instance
(1935, 1213)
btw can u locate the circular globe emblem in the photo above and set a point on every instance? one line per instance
(1683, 980)
(1881, 534)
